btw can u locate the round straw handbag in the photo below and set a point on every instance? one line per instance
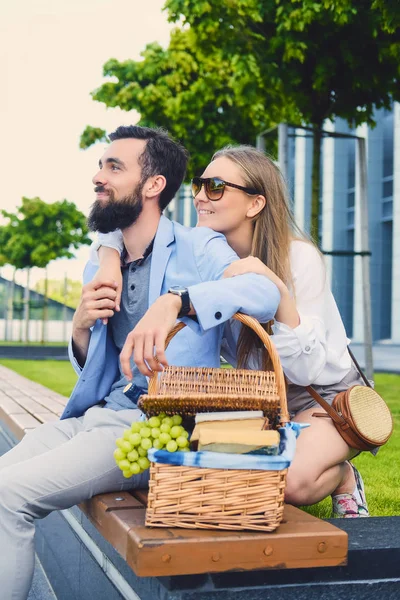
(212, 498)
(360, 415)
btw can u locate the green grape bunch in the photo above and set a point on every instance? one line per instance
(160, 432)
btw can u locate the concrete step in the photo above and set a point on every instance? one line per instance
(41, 588)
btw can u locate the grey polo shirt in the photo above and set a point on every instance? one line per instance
(134, 304)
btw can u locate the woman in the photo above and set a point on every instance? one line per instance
(242, 195)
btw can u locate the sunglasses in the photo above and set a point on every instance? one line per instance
(214, 187)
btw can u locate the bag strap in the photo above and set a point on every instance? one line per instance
(359, 368)
(325, 405)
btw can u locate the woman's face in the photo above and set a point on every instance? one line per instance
(231, 212)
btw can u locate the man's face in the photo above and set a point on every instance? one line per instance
(118, 187)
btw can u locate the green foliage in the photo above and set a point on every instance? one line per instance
(390, 11)
(331, 58)
(56, 290)
(238, 67)
(40, 232)
(92, 135)
(198, 97)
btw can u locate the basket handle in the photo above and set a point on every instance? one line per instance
(269, 346)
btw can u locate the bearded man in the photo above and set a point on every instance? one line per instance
(169, 272)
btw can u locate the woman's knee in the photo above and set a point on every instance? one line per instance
(300, 489)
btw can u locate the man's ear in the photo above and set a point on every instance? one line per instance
(154, 186)
(256, 206)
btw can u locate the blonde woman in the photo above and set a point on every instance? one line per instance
(242, 195)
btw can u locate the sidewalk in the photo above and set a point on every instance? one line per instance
(386, 356)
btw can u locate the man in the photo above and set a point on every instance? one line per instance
(61, 464)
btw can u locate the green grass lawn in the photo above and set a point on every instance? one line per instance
(2, 343)
(380, 473)
(58, 375)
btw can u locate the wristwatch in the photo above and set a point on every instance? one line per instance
(183, 292)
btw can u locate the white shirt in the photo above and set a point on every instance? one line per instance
(314, 352)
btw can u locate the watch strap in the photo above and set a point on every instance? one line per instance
(185, 308)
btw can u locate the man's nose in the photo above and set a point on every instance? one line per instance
(99, 178)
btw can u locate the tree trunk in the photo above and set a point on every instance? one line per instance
(10, 307)
(26, 304)
(65, 291)
(5, 308)
(21, 314)
(45, 306)
(283, 158)
(316, 184)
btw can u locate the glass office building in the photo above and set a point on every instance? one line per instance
(12, 321)
(340, 218)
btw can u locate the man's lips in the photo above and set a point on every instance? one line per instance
(102, 194)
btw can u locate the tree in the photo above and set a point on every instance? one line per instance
(236, 67)
(196, 96)
(65, 291)
(40, 232)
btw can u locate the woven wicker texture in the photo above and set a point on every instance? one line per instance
(196, 498)
(187, 391)
(370, 414)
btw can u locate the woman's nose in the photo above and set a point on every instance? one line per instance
(201, 195)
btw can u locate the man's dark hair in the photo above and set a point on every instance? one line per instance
(161, 156)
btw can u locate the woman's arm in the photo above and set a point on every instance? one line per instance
(287, 311)
(315, 349)
(106, 252)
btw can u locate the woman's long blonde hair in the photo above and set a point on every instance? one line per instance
(274, 228)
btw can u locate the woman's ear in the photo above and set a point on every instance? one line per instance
(256, 206)
(155, 185)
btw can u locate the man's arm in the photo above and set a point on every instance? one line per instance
(214, 301)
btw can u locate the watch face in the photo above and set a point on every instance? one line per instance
(177, 289)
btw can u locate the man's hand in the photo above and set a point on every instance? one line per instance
(97, 302)
(147, 340)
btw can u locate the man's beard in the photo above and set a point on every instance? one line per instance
(115, 214)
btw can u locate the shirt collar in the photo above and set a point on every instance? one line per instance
(138, 261)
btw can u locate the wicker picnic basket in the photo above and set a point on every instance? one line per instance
(216, 498)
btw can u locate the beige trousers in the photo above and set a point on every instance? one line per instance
(54, 467)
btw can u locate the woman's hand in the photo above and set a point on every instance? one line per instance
(287, 311)
(110, 270)
(251, 264)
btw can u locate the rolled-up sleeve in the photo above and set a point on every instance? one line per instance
(110, 240)
(215, 300)
(316, 350)
(302, 350)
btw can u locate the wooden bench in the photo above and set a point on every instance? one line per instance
(301, 540)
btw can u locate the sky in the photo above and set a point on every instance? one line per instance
(52, 54)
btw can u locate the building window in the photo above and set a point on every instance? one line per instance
(388, 163)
